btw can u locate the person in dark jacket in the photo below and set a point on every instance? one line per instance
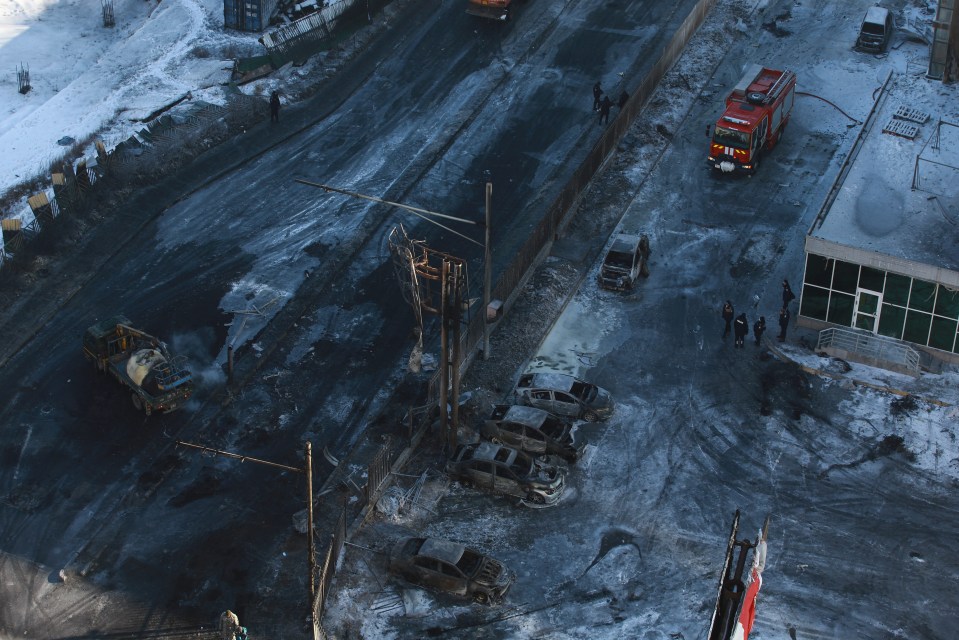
(741, 329)
(759, 328)
(604, 110)
(788, 295)
(597, 95)
(728, 314)
(623, 98)
(275, 106)
(783, 323)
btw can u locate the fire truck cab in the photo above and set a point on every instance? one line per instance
(491, 9)
(756, 114)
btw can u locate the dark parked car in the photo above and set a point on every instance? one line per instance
(532, 430)
(624, 262)
(875, 30)
(503, 469)
(450, 567)
(565, 396)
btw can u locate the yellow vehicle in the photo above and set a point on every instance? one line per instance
(158, 380)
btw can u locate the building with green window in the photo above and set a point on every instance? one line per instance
(883, 256)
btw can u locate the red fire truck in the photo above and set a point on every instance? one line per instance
(757, 112)
(492, 9)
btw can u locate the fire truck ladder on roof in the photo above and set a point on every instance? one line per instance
(779, 85)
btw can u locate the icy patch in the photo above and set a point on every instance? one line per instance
(574, 344)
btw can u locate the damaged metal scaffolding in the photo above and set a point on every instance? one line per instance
(436, 283)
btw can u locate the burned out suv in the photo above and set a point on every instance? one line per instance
(506, 470)
(875, 30)
(532, 430)
(624, 262)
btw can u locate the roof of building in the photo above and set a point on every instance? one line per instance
(877, 210)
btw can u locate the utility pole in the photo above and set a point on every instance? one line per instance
(444, 353)
(310, 549)
(451, 279)
(452, 315)
(487, 268)
(307, 469)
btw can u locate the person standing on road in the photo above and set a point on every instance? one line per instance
(788, 295)
(275, 106)
(604, 107)
(728, 314)
(228, 625)
(759, 328)
(783, 323)
(623, 98)
(597, 94)
(741, 329)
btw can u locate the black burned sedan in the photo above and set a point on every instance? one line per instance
(502, 469)
(450, 567)
(532, 430)
(564, 395)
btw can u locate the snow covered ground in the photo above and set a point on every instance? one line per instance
(89, 80)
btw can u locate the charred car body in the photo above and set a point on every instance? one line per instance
(624, 262)
(564, 395)
(875, 30)
(532, 430)
(506, 470)
(450, 567)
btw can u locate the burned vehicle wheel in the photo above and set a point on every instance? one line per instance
(536, 498)
(591, 416)
(481, 598)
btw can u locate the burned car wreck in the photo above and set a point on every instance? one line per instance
(564, 395)
(626, 259)
(501, 469)
(532, 430)
(450, 567)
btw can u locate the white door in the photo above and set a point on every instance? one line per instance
(866, 314)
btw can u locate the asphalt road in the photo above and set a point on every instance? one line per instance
(97, 490)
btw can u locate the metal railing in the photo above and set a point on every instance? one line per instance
(327, 572)
(377, 471)
(869, 345)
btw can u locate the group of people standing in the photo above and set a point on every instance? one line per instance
(603, 104)
(740, 326)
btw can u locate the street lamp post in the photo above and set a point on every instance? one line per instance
(307, 469)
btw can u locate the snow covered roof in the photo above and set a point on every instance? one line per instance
(878, 218)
